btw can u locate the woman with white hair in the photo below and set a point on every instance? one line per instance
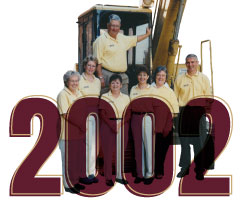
(65, 99)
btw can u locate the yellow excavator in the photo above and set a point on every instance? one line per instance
(161, 48)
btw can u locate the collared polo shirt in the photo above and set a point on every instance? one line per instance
(136, 91)
(111, 52)
(89, 88)
(118, 103)
(168, 97)
(187, 87)
(64, 100)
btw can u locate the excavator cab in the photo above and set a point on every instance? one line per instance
(134, 21)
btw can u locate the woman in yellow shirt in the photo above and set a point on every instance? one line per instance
(142, 134)
(111, 129)
(89, 85)
(163, 139)
(65, 99)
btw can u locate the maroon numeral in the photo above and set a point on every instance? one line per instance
(76, 143)
(220, 125)
(162, 124)
(24, 182)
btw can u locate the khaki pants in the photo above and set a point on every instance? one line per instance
(108, 74)
(91, 147)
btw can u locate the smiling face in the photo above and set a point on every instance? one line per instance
(73, 83)
(142, 78)
(115, 86)
(114, 28)
(192, 65)
(160, 78)
(90, 67)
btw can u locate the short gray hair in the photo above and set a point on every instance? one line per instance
(159, 69)
(114, 17)
(68, 75)
(191, 56)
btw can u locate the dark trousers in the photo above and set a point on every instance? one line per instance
(136, 126)
(192, 131)
(108, 142)
(161, 149)
(75, 160)
(185, 158)
(137, 138)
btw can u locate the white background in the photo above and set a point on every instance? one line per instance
(38, 44)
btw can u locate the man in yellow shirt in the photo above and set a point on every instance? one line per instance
(188, 86)
(191, 84)
(111, 51)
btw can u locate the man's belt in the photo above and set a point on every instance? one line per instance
(113, 72)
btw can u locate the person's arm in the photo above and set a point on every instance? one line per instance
(174, 102)
(63, 104)
(105, 115)
(98, 53)
(207, 87)
(143, 37)
(209, 101)
(176, 89)
(100, 75)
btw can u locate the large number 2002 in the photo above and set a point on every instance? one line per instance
(24, 182)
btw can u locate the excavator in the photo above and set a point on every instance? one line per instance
(161, 48)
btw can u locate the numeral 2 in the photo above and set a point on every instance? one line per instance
(24, 182)
(220, 123)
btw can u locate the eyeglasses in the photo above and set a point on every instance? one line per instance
(73, 81)
(90, 65)
(115, 26)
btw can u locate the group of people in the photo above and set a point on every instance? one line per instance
(109, 63)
